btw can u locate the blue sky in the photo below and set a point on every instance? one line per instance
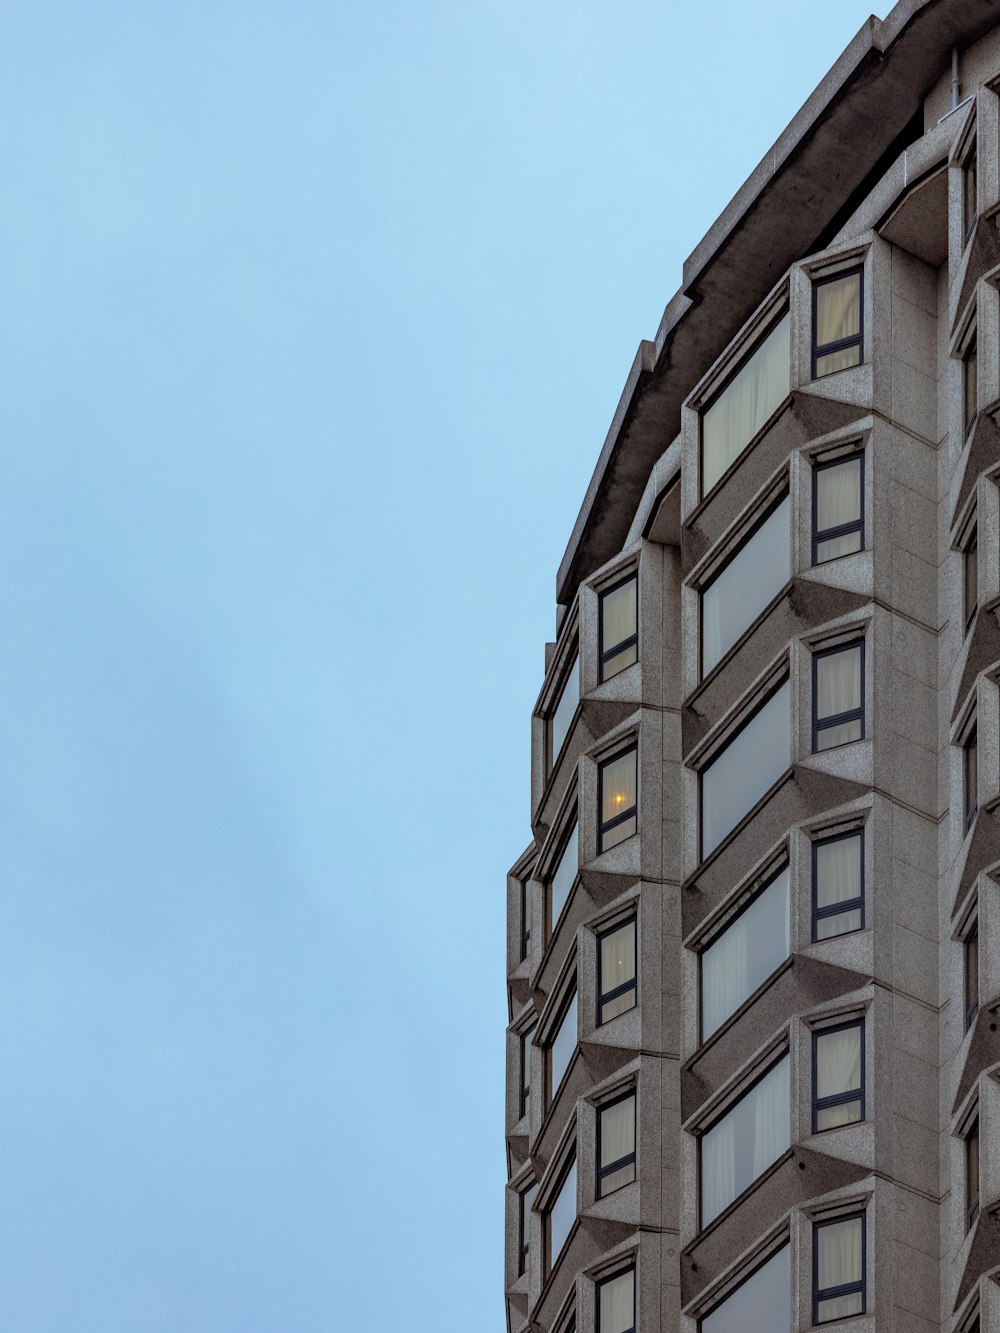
(314, 317)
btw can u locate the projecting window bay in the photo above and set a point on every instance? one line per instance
(750, 397)
(735, 597)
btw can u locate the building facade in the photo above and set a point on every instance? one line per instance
(753, 947)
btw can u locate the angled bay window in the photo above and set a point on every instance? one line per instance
(762, 1302)
(617, 786)
(838, 1076)
(743, 1143)
(745, 954)
(838, 876)
(563, 1044)
(971, 950)
(525, 1201)
(744, 405)
(837, 323)
(616, 971)
(616, 1303)
(970, 774)
(970, 192)
(564, 712)
(838, 508)
(751, 577)
(615, 1145)
(838, 696)
(525, 1062)
(739, 775)
(970, 577)
(970, 383)
(972, 1174)
(564, 876)
(619, 627)
(839, 1286)
(561, 1215)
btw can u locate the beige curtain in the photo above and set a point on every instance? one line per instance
(838, 495)
(618, 1303)
(838, 309)
(617, 1131)
(838, 682)
(745, 404)
(838, 1069)
(839, 1262)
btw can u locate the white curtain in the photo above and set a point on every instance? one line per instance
(771, 1118)
(746, 585)
(738, 777)
(618, 957)
(838, 1069)
(617, 1131)
(838, 871)
(619, 612)
(745, 404)
(618, 1303)
(838, 682)
(737, 962)
(838, 494)
(840, 1263)
(718, 1168)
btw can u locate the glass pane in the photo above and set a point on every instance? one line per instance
(615, 1180)
(565, 875)
(743, 772)
(618, 834)
(838, 1062)
(565, 708)
(618, 958)
(840, 1307)
(617, 1131)
(832, 1117)
(842, 734)
(745, 404)
(838, 684)
(969, 191)
(838, 309)
(971, 971)
(563, 1046)
(620, 661)
(762, 1303)
(562, 1215)
(971, 571)
(744, 955)
(841, 923)
(618, 788)
(618, 612)
(621, 1004)
(838, 494)
(971, 753)
(616, 1308)
(744, 1142)
(971, 385)
(838, 870)
(839, 1260)
(738, 595)
(834, 547)
(830, 362)
(972, 1166)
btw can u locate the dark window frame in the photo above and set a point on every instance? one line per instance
(837, 1098)
(841, 529)
(716, 755)
(524, 1242)
(972, 1200)
(970, 158)
(970, 776)
(612, 1277)
(525, 918)
(848, 904)
(605, 826)
(524, 1092)
(625, 986)
(971, 1005)
(970, 594)
(617, 1165)
(845, 1288)
(567, 1166)
(839, 344)
(970, 356)
(836, 719)
(606, 653)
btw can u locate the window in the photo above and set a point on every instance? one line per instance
(971, 975)
(615, 1145)
(619, 627)
(564, 876)
(562, 1215)
(525, 918)
(735, 597)
(616, 1303)
(745, 954)
(617, 781)
(838, 874)
(838, 1076)
(564, 711)
(970, 769)
(970, 571)
(837, 323)
(745, 1141)
(739, 775)
(838, 508)
(970, 193)
(525, 1043)
(838, 696)
(762, 1302)
(616, 971)
(970, 384)
(838, 1268)
(972, 1174)
(563, 1044)
(525, 1200)
(750, 397)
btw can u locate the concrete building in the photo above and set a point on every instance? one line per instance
(753, 947)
